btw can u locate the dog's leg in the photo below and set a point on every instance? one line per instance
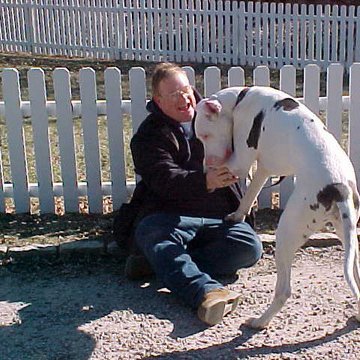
(251, 193)
(356, 267)
(292, 232)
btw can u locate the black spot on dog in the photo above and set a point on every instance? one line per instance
(287, 104)
(254, 135)
(332, 193)
(298, 127)
(263, 128)
(241, 95)
(312, 120)
(314, 207)
(345, 216)
(314, 221)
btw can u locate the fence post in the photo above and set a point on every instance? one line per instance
(29, 26)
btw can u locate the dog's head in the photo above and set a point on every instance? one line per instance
(214, 127)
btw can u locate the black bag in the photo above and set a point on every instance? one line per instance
(126, 218)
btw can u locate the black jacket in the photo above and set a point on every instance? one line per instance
(171, 169)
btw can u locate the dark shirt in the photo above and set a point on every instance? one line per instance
(171, 169)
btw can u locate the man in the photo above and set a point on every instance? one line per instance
(181, 231)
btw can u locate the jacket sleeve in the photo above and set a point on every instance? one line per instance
(154, 160)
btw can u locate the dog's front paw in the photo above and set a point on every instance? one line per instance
(235, 217)
(255, 323)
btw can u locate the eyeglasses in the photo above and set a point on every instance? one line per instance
(175, 95)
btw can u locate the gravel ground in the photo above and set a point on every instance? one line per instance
(82, 307)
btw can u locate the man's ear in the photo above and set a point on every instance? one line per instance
(156, 99)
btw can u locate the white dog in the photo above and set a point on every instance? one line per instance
(285, 138)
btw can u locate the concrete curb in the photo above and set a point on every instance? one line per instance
(98, 246)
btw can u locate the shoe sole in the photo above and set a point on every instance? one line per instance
(218, 311)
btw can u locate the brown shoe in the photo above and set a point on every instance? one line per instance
(217, 304)
(137, 267)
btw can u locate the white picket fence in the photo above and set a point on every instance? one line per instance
(210, 31)
(65, 109)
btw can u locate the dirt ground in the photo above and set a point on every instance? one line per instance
(82, 307)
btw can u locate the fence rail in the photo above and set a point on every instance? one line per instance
(110, 120)
(210, 31)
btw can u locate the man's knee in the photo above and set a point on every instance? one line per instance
(247, 245)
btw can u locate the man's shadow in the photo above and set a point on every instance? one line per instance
(61, 296)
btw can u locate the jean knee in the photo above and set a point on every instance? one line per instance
(248, 244)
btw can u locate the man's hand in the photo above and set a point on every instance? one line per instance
(219, 177)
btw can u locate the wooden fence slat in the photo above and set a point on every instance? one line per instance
(2, 190)
(312, 87)
(288, 85)
(16, 142)
(236, 76)
(354, 118)
(91, 139)
(115, 134)
(62, 94)
(212, 80)
(138, 96)
(40, 123)
(334, 98)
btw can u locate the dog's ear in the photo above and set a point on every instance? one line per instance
(212, 106)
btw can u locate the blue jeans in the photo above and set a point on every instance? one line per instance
(186, 252)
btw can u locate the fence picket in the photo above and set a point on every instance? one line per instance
(236, 76)
(64, 115)
(212, 80)
(312, 87)
(354, 118)
(115, 134)
(138, 96)
(288, 85)
(16, 142)
(2, 189)
(334, 99)
(39, 119)
(91, 139)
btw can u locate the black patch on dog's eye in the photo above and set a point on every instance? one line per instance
(314, 207)
(254, 135)
(287, 104)
(345, 216)
(241, 95)
(332, 193)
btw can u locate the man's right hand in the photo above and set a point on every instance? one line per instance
(219, 177)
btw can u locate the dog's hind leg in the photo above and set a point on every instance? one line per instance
(291, 234)
(355, 266)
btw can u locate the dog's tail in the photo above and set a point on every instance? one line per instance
(349, 218)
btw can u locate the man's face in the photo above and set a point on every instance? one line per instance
(176, 98)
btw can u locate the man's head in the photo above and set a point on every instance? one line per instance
(173, 93)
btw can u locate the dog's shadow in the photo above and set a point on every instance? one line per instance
(229, 350)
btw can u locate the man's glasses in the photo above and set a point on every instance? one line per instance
(175, 95)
